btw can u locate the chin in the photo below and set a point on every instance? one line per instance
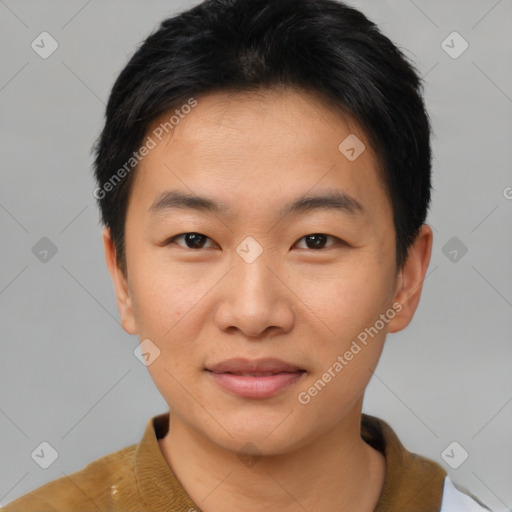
(259, 438)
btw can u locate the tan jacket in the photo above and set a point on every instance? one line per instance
(138, 479)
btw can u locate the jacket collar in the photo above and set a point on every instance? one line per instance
(411, 482)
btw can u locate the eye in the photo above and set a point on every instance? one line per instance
(192, 240)
(195, 240)
(317, 240)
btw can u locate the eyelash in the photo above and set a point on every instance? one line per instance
(338, 240)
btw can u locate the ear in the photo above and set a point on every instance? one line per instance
(123, 297)
(410, 279)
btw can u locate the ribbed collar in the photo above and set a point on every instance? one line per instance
(411, 483)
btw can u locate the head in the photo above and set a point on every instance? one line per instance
(264, 178)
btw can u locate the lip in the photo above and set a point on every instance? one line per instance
(241, 365)
(261, 378)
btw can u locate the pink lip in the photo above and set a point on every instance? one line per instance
(228, 375)
(256, 387)
(241, 365)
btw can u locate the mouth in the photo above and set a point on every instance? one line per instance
(255, 367)
(261, 378)
(255, 374)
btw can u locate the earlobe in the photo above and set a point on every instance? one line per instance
(123, 296)
(410, 279)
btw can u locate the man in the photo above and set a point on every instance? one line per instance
(264, 178)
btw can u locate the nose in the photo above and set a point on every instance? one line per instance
(255, 301)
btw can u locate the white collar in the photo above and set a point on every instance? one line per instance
(456, 501)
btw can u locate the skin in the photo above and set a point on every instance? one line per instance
(200, 306)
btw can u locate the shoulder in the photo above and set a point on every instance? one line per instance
(456, 499)
(92, 488)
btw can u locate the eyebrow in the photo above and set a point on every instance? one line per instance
(328, 200)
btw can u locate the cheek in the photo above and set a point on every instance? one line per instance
(349, 347)
(165, 309)
(161, 292)
(171, 307)
(160, 302)
(347, 299)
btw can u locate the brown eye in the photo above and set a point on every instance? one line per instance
(317, 240)
(192, 240)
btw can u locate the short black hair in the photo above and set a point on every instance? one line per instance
(323, 46)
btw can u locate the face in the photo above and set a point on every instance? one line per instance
(287, 284)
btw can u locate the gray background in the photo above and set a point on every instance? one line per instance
(68, 373)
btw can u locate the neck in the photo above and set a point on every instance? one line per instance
(337, 471)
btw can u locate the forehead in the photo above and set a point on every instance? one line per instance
(253, 149)
(305, 121)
